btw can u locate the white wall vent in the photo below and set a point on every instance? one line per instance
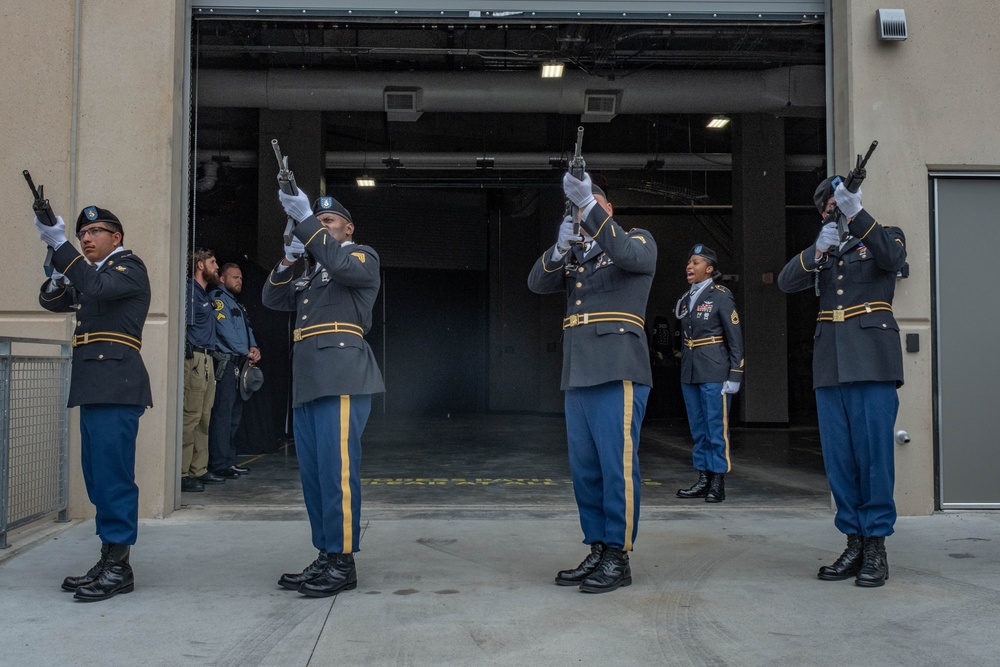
(600, 106)
(402, 104)
(891, 24)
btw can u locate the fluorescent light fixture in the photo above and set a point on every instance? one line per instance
(718, 122)
(552, 69)
(365, 181)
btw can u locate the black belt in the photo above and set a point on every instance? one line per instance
(195, 348)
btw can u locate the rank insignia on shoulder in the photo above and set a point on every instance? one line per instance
(734, 318)
(722, 288)
(359, 255)
(121, 268)
(217, 304)
(220, 316)
(640, 237)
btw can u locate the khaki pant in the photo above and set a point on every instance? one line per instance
(199, 395)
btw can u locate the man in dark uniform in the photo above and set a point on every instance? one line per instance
(199, 372)
(711, 371)
(235, 344)
(606, 375)
(109, 381)
(334, 376)
(857, 367)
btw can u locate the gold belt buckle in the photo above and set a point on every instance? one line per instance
(838, 316)
(296, 335)
(689, 343)
(574, 320)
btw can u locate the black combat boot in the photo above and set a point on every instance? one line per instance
(72, 583)
(716, 488)
(612, 572)
(849, 563)
(115, 577)
(338, 575)
(313, 570)
(700, 487)
(584, 569)
(875, 569)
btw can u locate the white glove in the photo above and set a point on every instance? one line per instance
(566, 235)
(579, 192)
(296, 207)
(848, 202)
(53, 236)
(829, 237)
(294, 250)
(57, 281)
(730, 387)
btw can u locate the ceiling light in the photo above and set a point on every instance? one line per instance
(365, 181)
(718, 122)
(552, 69)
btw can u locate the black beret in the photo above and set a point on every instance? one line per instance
(92, 214)
(330, 205)
(596, 189)
(823, 193)
(704, 251)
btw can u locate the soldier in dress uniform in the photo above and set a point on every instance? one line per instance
(109, 381)
(711, 371)
(857, 367)
(235, 344)
(606, 375)
(334, 376)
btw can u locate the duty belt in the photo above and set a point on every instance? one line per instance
(842, 314)
(327, 328)
(105, 337)
(690, 343)
(593, 318)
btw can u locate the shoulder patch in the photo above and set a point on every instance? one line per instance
(218, 305)
(722, 288)
(121, 268)
(359, 255)
(734, 318)
(640, 237)
(220, 316)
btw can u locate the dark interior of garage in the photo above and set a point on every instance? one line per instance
(466, 144)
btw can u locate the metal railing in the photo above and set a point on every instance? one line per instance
(34, 431)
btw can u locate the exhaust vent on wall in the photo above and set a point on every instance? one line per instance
(402, 104)
(891, 24)
(600, 106)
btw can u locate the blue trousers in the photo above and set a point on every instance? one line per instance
(328, 445)
(602, 428)
(708, 418)
(227, 411)
(856, 422)
(107, 435)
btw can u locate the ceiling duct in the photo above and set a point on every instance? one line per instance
(793, 91)
(600, 106)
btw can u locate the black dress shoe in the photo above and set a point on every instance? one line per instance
(613, 572)
(875, 568)
(236, 468)
(338, 575)
(211, 478)
(699, 488)
(849, 563)
(313, 570)
(226, 473)
(115, 577)
(716, 488)
(191, 485)
(584, 569)
(72, 583)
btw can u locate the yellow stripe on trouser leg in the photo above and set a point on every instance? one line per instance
(345, 473)
(725, 429)
(627, 467)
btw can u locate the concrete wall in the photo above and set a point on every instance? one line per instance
(112, 140)
(929, 102)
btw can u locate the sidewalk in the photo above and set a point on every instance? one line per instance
(719, 586)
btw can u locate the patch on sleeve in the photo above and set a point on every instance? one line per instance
(121, 268)
(218, 305)
(734, 318)
(640, 237)
(359, 255)
(220, 316)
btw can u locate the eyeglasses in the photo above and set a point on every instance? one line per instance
(91, 232)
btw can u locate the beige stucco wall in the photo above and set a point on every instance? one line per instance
(128, 158)
(928, 101)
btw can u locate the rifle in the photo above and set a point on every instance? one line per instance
(286, 182)
(43, 211)
(853, 184)
(577, 167)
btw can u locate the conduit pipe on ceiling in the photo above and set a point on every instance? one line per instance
(798, 90)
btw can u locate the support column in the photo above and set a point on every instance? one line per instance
(759, 240)
(300, 134)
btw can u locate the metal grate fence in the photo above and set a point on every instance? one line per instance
(34, 430)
